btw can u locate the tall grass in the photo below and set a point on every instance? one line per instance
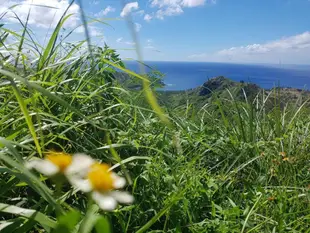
(230, 166)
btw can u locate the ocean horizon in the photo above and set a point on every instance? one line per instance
(188, 75)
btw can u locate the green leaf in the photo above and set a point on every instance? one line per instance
(11, 225)
(51, 44)
(159, 214)
(67, 222)
(102, 225)
(24, 109)
(28, 213)
(22, 39)
(26, 176)
(89, 220)
(147, 90)
(44, 92)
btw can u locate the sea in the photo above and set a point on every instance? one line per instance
(188, 75)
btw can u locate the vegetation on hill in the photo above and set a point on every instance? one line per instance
(225, 157)
(224, 88)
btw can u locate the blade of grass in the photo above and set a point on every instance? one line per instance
(52, 41)
(28, 213)
(28, 119)
(147, 90)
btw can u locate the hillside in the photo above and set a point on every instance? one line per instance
(225, 88)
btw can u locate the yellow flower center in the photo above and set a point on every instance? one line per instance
(100, 177)
(60, 159)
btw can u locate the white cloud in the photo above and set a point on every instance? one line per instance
(138, 27)
(95, 2)
(175, 7)
(162, 3)
(119, 40)
(294, 50)
(149, 45)
(184, 3)
(292, 43)
(130, 43)
(140, 12)
(128, 8)
(43, 13)
(105, 11)
(193, 3)
(93, 31)
(148, 17)
(169, 11)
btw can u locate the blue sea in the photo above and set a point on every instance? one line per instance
(187, 75)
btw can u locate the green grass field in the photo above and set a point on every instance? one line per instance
(228, 165)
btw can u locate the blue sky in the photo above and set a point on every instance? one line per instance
(240, 31)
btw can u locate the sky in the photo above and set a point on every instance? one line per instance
(237, 31)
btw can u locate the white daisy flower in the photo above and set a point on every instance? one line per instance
(80, 166)
(87, 175)
(101, 183)
(54, 163)
(61, 163)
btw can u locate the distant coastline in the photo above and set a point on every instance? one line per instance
(187, 75)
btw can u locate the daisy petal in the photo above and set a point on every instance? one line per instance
(104, 201)
(119, 182)
(82, 184)
(32, 163)
(80, 165)
(43, 166)
(122, 197)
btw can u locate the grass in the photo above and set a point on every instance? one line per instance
(228, 166)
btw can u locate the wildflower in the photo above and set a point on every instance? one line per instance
(286, 159)
(283, 154)
(87, 175)
(80, 165)
(54, 163)
(102, 184)
(60, 163)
